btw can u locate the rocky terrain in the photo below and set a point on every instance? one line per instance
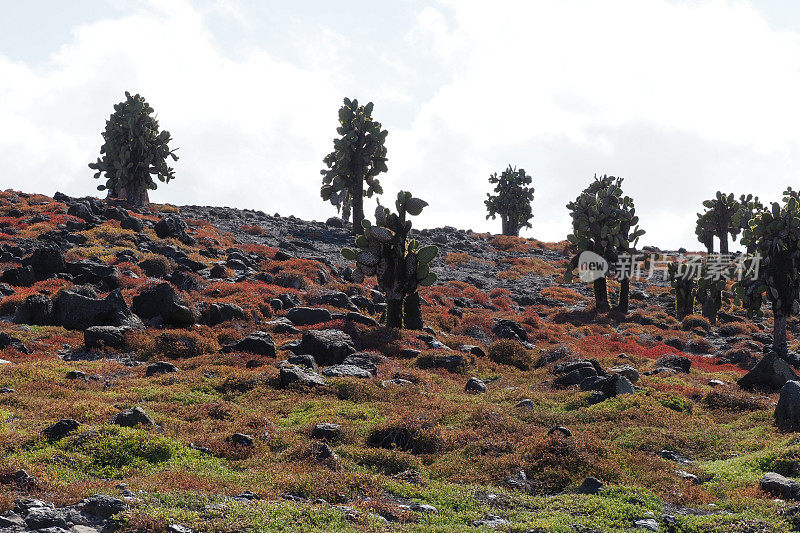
(213, 369)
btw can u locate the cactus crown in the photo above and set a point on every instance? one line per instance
(358, 156)
(134, 149)
(774, 234)
(721, 217)
(603, 219)
(513, 198)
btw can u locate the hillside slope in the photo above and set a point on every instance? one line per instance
(270, 398)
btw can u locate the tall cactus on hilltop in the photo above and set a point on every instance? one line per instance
(133, 152)
(604, 221)
(774, 234)
(512, 201)
(718, 221)
(400, 264)
(358, 156)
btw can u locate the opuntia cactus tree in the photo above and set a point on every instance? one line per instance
(718, 221)
(683, 288)
(359, 155)
(400, 264)
(512, 200)
(604, 221)
(134, 152)
(749, 207)
(774, 235)
(709, 290)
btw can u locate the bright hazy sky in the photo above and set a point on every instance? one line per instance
(679, 98)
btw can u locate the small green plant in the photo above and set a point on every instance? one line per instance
(358, 156)
(512, 200)
(511, 353)
(775, 236)
(134, 151)
(399, 263)
(604, 221)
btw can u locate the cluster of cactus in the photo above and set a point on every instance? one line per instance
(358, 156)
(749, 207)
(718, 221)
(604, 221)
(512, 200)
(400, 264)
(133, 152)
(774, 234)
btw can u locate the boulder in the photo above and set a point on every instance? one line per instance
(46, 262)
(629, 371)
(771, 373)
(99, 337)
(160, 367)
(60, 429)
(290, 373)
(454, 362)
(18, 276)
(361, 360)
(508, 329)
(217, 313)
(475, 385)
(787, 412)
(132, 417)
(678, 363)
(162, 300)
(304, 360)
(780, 487)
(240, 439)
(308, 316)
(326, 431)
(173, 227)
(337, 299)
(94, 272)
(102, 506)
(37, 309)
(328, 346)
(73, 310)
(258, 342)
(345, 371)
(7, 341)
(590, 485)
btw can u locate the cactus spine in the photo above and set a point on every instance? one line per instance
(400, 264)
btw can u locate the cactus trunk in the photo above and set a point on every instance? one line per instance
(412, 311)
(779, 343)
(624, 295)
(136, 197)
(601, 296)
(357, 199)
(394, 313)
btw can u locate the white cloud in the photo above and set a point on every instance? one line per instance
(681, 99)
(668, 95)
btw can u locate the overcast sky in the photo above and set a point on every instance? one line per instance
(680, 98)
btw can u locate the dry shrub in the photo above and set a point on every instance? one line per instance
(696, 321)
(563, 295)
(387, 462)
(733, 401)
(511, 353)
(174, 344)
(411, 435)
(253, 230)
